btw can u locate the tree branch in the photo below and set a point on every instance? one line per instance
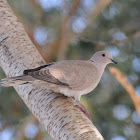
(66, 33)
(61, 44)
(101, 4)
(121, 78)
(104, 44)
(57, 113)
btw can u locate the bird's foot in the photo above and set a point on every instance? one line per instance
(83, 109)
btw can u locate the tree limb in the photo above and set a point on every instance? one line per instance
(57, 113)
(121, 78)
(60, 46)
(101, 4)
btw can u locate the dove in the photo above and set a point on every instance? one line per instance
(73, 78)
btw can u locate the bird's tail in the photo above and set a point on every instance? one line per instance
(18, 80)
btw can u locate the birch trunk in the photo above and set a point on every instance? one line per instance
(58, 114)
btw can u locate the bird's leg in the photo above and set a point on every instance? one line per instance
(83, 109)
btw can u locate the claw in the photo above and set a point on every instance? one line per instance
(83, 109)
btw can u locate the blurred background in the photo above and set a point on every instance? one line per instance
(75, 29)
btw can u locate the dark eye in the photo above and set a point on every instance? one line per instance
(103, 55)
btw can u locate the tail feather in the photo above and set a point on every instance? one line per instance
(19, 80)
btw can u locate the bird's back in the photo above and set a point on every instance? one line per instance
(78, 74)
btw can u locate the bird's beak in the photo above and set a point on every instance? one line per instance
(113, 61)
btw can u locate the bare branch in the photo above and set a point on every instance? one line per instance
(128, 87)
(65, 33)
(126, 40)
(57, 113)
(104, 44)
(101, 4)
(72, 11)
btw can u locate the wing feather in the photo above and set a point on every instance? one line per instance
(75, 74)
(42, 73)
(78, 74)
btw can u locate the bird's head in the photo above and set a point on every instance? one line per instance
(102, 58)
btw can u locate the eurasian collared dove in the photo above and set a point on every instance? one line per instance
(72, 78)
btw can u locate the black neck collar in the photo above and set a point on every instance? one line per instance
(92, 61)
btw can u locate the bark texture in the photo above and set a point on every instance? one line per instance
(58, 114)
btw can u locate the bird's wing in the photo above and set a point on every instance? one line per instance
(42, 73)
(78, 74)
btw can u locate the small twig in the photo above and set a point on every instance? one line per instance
(134, 36)
(104, 44)
(121, 78)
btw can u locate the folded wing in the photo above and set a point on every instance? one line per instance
(75, 74)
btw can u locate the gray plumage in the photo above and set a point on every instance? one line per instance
(70, 77)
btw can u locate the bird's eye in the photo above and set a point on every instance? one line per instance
(103, 55)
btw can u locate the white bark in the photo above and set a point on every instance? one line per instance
(58, 114)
